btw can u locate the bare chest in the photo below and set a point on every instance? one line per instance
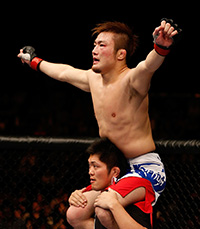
(111, 102)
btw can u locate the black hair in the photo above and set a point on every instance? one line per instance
(109, 154)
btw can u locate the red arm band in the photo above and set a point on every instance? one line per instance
(161, 51)
(35, 63)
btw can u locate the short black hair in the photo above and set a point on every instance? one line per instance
(109, 154)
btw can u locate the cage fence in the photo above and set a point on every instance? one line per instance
(39, 174)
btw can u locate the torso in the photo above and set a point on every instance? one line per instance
(122, 114)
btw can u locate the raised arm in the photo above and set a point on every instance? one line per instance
(61, 72)
(66, 73)
(163, 39)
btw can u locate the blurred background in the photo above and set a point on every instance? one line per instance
(33, 104)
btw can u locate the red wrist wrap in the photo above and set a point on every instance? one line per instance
(35, 63)
(161, 51)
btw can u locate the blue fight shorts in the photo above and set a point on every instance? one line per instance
(149, 167)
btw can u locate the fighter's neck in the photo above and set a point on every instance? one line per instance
(112, 76)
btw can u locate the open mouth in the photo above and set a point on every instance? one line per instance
(95, 60)
(92, 180)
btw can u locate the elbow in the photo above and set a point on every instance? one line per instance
(62, 76)
(74, 216)
(105, 217)
(150, 68)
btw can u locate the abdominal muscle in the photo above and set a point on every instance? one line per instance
(131, 140)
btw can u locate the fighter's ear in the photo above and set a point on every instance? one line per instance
(116, 171)
(121, 54)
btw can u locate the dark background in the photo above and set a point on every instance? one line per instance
(34, 104)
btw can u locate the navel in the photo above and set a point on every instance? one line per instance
(113, 115)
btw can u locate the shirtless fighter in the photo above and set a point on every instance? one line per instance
(119, 94)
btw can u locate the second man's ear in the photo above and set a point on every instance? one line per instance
(116, 171)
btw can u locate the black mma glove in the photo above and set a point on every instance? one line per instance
(162, 50)
(30, 55)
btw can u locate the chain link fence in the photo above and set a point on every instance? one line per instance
(38, 175)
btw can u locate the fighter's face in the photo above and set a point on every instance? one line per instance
(104, 55)
(100, 178)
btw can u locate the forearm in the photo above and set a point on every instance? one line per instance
(153, 61)
(122, 218)
(55, 71)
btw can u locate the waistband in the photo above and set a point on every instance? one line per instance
(150, 157)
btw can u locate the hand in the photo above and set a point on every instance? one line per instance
(78, 199)
(163, 35)
(106, 200)
(27, 54)
(24, 57)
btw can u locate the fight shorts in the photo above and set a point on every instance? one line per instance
(145, 171)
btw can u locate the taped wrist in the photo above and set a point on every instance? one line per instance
(35, 63)
(161, 50)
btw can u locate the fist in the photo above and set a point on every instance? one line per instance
(27, 54)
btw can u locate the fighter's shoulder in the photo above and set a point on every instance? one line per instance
(91, 73)
(137, 71)
(92, 76)
(131, 73)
